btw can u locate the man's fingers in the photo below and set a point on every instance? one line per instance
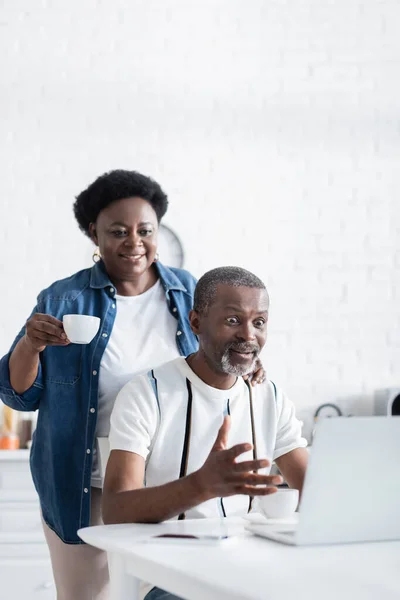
(251, 465)
(222, 437)
(237, 450)
(250, 490)
(256, 479)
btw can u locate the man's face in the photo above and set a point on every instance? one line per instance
(234, 330)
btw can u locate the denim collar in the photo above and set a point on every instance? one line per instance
(99, 278)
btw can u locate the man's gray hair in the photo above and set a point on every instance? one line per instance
(206, 288)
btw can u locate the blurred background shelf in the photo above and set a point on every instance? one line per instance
(25, 567)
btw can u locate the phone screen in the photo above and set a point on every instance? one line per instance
(189, 538)
(182, 536)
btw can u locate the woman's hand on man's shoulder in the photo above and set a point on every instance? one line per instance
(258, 375)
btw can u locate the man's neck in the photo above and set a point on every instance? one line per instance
(199, 365)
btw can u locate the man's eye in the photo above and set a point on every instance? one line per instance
(233, 320)
(259, 323)
(119, 233)
(145, 232)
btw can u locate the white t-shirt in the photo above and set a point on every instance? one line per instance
(143, 337)
(150, 417)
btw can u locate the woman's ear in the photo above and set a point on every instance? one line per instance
(93, 234)
(194, 320)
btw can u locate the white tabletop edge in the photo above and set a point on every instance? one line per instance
(369, 569)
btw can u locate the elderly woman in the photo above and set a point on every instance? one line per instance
(143, 307)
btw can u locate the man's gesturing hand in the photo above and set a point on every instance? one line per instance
(221, 475)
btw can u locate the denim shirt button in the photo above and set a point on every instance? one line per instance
(85, 490)
(92, 410)
(174, 309)
(88, 451)
(94, 372)
(112, 290)
(105, 335)
(179, 333)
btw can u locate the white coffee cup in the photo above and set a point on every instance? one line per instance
(80, 329)
(280, 505)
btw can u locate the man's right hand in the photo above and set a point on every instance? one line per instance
(221, 475)
(44, 330)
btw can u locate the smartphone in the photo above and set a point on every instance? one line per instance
(184, 538)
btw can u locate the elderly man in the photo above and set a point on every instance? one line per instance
(193, 438)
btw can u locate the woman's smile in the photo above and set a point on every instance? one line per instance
(132, 257)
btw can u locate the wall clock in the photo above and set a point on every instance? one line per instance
(170, 247)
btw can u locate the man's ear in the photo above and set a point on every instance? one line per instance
(194, 320)
(93, 234)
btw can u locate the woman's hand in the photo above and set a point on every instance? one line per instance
(258, 375)
(44, 330)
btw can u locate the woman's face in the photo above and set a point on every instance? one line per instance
(126, 233)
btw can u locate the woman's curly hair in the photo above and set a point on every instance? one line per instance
(117, 185)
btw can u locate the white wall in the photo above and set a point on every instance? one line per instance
(273, 126)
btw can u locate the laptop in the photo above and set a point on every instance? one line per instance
(351, 491)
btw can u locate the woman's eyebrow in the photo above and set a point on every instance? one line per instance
(118, 223)
(125, 225)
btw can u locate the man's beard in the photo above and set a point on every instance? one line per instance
(236, 369)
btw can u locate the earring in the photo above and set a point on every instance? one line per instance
(157, 257)
(96, 257)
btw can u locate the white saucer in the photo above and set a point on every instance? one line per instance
(262, 520)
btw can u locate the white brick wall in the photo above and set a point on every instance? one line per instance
(274, 127)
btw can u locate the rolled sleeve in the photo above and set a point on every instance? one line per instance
(135, 418)
(288, 436)
(29, 400)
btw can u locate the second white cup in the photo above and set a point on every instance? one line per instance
(280, 505)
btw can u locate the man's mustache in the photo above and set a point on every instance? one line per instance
(242, 347)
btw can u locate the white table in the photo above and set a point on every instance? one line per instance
(253, 568)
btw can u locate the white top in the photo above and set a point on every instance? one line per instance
(150, 414)
(143, 337)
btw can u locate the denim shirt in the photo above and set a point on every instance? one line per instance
(66, 390)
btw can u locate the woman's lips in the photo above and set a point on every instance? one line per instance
(132, 257)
